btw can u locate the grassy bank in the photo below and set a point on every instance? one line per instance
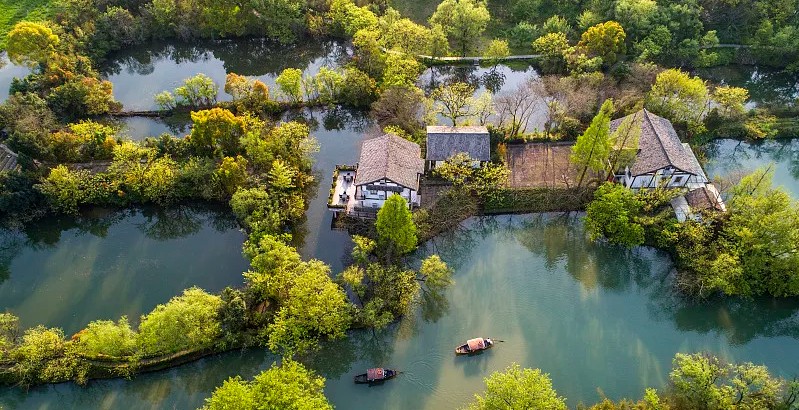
(13, 11)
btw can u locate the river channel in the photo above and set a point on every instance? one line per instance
(591, 315)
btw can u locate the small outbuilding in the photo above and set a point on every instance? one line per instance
(443, 142)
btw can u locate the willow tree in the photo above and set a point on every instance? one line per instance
(592, 149)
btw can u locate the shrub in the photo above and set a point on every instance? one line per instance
(189, 321)
(106, 338)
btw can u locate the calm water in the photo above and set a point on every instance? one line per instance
(140, 73)
(8, 72)
(339, 133)
(766, 86)
(731, 158)
(66, 272)
(590, 315)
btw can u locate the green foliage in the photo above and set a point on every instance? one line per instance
(496, 50)
(704, 382)
(289, 386)
(612, 215)
(310, 307)
(349, 18)
(290, 83)
(392, 290)
(189, 321)
(83, 97)
(730, 101)
(518, 388)
(357, 88)
(454, 101)
(232, 173)
(401, 71)
(624, 143)
(395, 228)
(106, 338)
(593, 147)
(553, 48)
(40, 357)
(435, 273)
(216, 132)
(198, 91)
(604, 40)
(463, 21)
(31, 44)
(680, 98)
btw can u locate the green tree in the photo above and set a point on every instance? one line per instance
(553, 48)
(30, 44)
(39, 357)
(188, 321)
(107, 338)
(680, 98)
(349, 18)
(518, 388)
(496, 50)
(232, 173)
(613, 215)
(604, 40)
(454, 101)
(289, 386)
(435, 273)
(401, 70)
(635, 16)
(290, 83)
(624, 142)
(215, 132)
(395, 227)
(731, 101)
(198, 91)
(592, 149)
(463, 20)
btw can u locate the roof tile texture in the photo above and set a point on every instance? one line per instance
(390, 157)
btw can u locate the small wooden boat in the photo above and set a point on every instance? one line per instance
(475, 345)
(376, 375)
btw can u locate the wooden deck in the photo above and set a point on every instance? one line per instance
(542, 164)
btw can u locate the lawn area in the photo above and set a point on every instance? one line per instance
(13, 11)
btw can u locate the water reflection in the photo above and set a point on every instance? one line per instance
(766, 86)
(141, 72)
(731, 159)
(591, 315)
(67, 271)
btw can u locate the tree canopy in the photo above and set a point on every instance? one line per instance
(395, 227)
(518, 388)
(463, 21)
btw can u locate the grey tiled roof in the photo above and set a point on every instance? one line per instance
(444, 141)
(8, 159)
(391, 157)
(702, 198)
(660, 147)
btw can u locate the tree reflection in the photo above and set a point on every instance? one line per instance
(170, 223)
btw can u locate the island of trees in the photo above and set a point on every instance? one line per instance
(599, 62)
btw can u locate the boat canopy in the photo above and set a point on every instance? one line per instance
(375, 374)
(476, 343)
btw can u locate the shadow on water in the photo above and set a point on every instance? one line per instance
(66, 271)
(250, 57)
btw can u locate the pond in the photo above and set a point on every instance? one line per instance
(766, 86)
(141, 72)
(590, 315)
(733, 159)
(65, 272)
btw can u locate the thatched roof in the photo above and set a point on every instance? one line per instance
(8, 159)
(659, 147)
(444, 141)
(390, 157)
